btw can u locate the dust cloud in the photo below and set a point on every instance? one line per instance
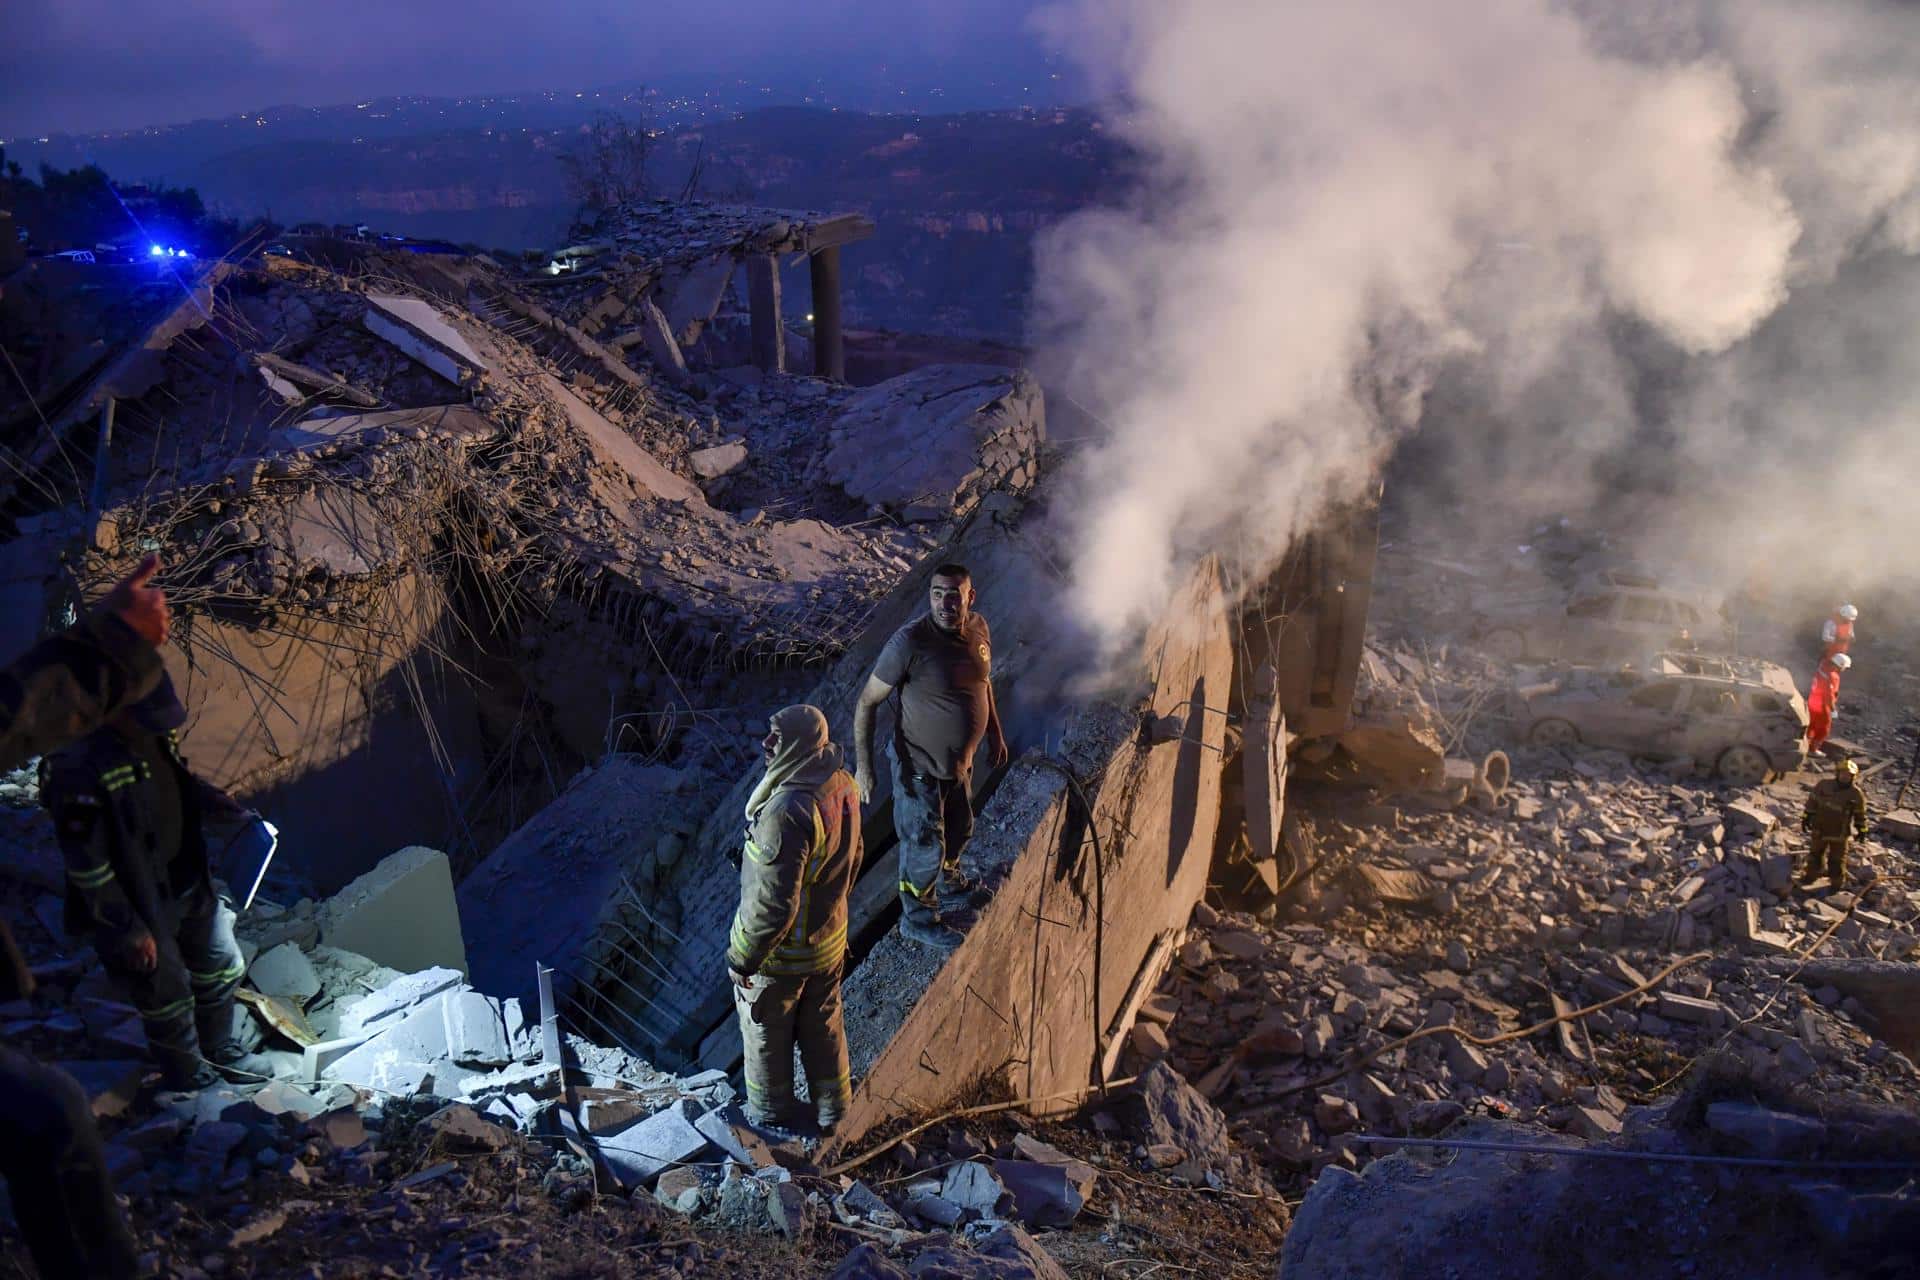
(1584, 248)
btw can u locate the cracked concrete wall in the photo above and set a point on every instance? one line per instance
(1019, 995)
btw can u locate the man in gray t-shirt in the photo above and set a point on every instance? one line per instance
(938, 670)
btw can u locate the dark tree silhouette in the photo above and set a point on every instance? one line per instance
(608, 166)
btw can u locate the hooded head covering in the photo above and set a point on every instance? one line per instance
(161, 710)
(802, 756)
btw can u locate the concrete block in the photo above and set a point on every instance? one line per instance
(476, 1029)
(286, 972)
(401, 914)
(1743, 919)
(668, 1137)
(1744, 816)
(711, 464)
(973, 1187)
(381, 1008)
(1679, 1008)
(400, 1058)
(1901, 824)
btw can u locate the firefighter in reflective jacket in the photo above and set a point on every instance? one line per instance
(1836, 809)
(789, 936)
(129, 818)
(50, 1151)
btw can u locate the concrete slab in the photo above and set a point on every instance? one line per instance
(623, 453)
(372, 1012)
(476, 1030)
(523, 906)
(1020, 989)
(416, 328)
(463, 423)
(417, 1040)
(285, 971)
(401, 914)
(670, 1136)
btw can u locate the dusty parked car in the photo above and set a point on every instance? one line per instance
(1609, 615)
(1743, 719)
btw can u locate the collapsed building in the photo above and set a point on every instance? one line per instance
(456, 536)
(506, 570)
(428, 536)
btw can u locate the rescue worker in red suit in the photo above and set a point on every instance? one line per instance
(1836, 634)
(1823, 700)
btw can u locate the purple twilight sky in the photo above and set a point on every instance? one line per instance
(82, 65)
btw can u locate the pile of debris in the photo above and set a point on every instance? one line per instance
(364, 468)
(1497, 922)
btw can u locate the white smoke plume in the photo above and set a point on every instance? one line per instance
(1341, 203)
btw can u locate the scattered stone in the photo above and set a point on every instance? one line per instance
(973, 1187)
(1335, 1114)
(257, 1228)
(790, 1210)
(1149, 1040)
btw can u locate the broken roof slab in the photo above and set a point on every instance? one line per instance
(522, 906)
(674, 231)
(418, 329)
(459, 422)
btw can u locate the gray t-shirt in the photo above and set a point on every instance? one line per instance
(942, 692)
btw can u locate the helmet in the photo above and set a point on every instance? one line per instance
(1845, 769)
(1841, 662)
(1848, 613)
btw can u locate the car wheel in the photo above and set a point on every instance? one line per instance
(1744, 766)
(1552, 733)
(1506, 644)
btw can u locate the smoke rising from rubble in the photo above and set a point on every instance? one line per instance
(1567, 241)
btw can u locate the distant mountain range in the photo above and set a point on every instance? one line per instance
(957, 198)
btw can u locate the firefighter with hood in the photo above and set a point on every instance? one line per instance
(131, 820)
(1836, 813)
(789, 936)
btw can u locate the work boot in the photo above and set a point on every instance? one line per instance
(957, 887)
(183, 1072)
(775, 1126)
(224, 1054)
(930, 934)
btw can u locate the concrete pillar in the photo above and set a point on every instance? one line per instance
(829, 348)
(763, 298)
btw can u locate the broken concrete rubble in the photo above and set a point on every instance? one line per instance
(930, 444)
(424, 335)
(401, 914)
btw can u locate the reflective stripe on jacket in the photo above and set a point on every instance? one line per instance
(800, 861)
(102, 800)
